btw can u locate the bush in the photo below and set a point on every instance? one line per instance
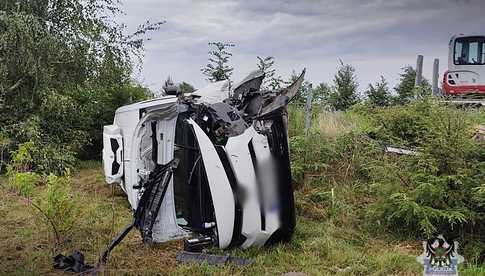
(308, 155)
(24, 182)
(56, 202)
(42, 157)
(440, 190)
(60, 90)
(436, 190)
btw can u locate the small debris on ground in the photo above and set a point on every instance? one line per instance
(185, 257)
(293, 274)
(400, 150)
(72, 263)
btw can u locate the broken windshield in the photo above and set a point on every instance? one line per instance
(469, 51)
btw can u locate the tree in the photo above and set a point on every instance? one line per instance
(265, 65)
(218, 68)
(65, 67)
(379, 94)
(271, 81)
(345, 88)
(405, 90)
(321, 94)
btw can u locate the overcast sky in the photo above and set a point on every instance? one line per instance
(377, 37)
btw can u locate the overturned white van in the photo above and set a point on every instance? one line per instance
(212, 165)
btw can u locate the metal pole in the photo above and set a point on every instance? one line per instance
(436, 68)
(308, 110)
(419, 71)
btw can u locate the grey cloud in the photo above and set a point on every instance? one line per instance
(378, 36)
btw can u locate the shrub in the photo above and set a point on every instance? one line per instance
(308, 155)
(24, 182)
(439, 190)
(42, 157)
(56, 202)
(434, 191)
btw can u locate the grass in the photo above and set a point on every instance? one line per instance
(321, 246)
(332, 235)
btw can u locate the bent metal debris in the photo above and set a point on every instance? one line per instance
(211, 167)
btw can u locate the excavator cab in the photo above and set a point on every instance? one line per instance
(465, 76)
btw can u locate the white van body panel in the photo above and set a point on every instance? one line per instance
(220, 188)
(253, 186)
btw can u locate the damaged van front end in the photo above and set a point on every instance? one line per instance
(211, 166)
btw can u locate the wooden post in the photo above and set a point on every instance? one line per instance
(419, 71)
(436, 68)
(308, 110)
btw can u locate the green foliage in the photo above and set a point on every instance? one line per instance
(22, 158)
(438, 190)
(435, 190)
(57, 203)
(271, 81)
(39, 154)
(65, 67)
(218, 67)
(24, 182)
(345, 88)
(296, 121)
(379, 94)
(308, 156)
(297, 145)
(321, 94)
(406, 91)
(341, 96)
(54, 200)
(265, 65)
(21, 179)
(401, 125)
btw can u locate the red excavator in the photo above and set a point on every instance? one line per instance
(465, 78)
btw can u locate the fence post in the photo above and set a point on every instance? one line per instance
(419, 71)
(308, 110)
(418, 93)
(436, 68)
